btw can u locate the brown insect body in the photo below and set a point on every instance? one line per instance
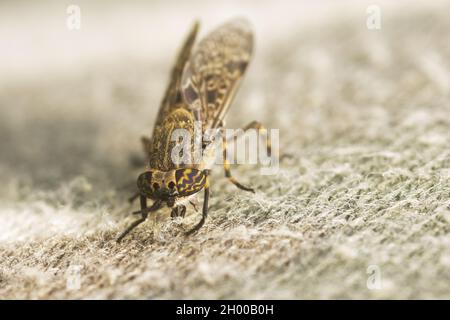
(202, 86)
(159, 156)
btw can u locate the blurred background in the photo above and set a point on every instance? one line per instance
(363, 111)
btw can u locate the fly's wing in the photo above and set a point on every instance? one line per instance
(172, 97)
(214, 70)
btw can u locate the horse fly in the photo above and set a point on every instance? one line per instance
(203, 83)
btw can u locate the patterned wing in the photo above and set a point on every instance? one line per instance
(172, 97)
(213, 72)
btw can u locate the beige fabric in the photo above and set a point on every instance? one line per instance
(365, 115)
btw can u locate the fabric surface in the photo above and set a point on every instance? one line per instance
(361, 209)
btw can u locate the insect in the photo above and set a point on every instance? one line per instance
(202, 86)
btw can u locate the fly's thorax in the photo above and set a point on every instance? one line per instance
(162, 140)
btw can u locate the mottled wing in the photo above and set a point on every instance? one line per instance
(214, 71)
(172, 97)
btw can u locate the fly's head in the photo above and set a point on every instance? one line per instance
(170, 185)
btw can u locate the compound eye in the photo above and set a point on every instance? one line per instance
(189, 181)
(171, 185)
(156, 186)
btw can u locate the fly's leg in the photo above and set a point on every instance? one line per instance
(137, 222)
(144, 214)
(205, 210)
(133, 197)
(194, 205)
(178, 211)
(262, 130)
(226, 167)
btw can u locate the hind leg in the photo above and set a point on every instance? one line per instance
(226, 165)
(257, 126)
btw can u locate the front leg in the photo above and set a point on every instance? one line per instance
(144, 212)
(204, 212)
(226, 165)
